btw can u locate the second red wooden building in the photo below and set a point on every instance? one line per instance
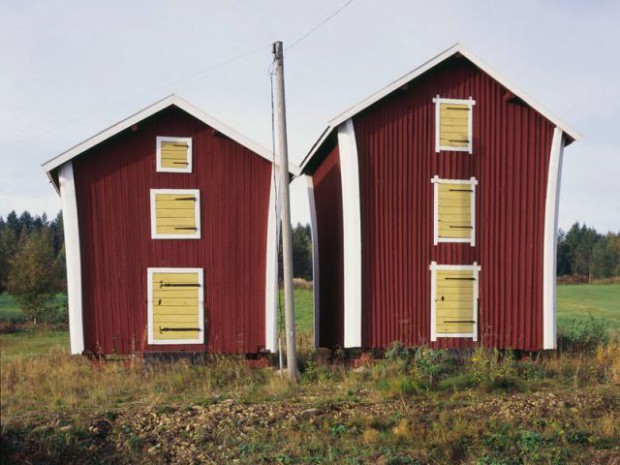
(435, 205)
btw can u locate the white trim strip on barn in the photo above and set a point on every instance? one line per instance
(271, 270)
(552, 203)
(149, 111)
(352, 235)
(315, 259)
(73, 257)
(397, 84)
(464, 51)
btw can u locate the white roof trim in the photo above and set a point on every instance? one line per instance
(151, 110)
(457, 48)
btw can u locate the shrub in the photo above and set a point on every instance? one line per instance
(435, 364)
(583, 336)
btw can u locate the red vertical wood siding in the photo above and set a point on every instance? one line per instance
(396, 147)
(328, 200)
(113, 182)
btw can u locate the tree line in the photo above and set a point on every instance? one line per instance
(587, 254)
(32, 261)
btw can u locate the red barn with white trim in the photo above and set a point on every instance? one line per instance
(435, 207)
(170, 233)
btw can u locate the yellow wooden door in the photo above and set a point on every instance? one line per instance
(176, 306)
(455, 302)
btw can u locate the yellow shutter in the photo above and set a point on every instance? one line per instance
(174, 154)
(176, 306)
(455, 302)
(176, 213)
(454, 125)
(455, 214)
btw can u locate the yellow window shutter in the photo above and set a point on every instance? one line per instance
(176, 213)
(455, 302)
(455, 218)
(174, 154)
(176, 298)
(454, 125)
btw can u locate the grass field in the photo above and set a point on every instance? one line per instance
(9, 309)
(32, 342)
(578, 302)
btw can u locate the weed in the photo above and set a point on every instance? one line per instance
(338, 429)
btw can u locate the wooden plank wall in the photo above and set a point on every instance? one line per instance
(397, 159)
(113, 181)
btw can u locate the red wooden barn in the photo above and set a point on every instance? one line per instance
(434, 205)
(170, 234)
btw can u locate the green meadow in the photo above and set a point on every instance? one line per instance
(577, 303)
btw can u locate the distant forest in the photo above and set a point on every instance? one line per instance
(33, 246)
(586, 254)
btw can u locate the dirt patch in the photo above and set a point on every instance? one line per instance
(230, 431)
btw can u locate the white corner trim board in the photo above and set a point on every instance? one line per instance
(315, 259)
(349, 172)
(552, 203)
(73, 257)
(271, 267)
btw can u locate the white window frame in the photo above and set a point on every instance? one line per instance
(470, 103)
(473, 182)
(160, 168)
(196, 193)
(434, 267)
(201, 316)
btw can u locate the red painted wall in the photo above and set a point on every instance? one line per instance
(397, 159)
(113, 181)
(328, 201)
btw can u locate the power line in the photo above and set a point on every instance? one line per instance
(320, 24)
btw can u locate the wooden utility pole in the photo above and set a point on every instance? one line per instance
(287, 246)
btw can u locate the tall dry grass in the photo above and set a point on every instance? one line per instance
(59, 381)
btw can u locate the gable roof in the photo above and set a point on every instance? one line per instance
(171, 100)
(397, 84)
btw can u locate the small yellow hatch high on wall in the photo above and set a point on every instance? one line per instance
(174, 154)
(454, 301)
(453, 124)
(175, 214)
(454, 205)
(175, 306)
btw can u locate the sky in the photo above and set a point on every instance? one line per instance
(72, 68)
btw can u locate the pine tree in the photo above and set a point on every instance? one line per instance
(8, 247)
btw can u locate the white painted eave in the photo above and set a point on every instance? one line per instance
(400, 82)
(317, 145)
(171, 100)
